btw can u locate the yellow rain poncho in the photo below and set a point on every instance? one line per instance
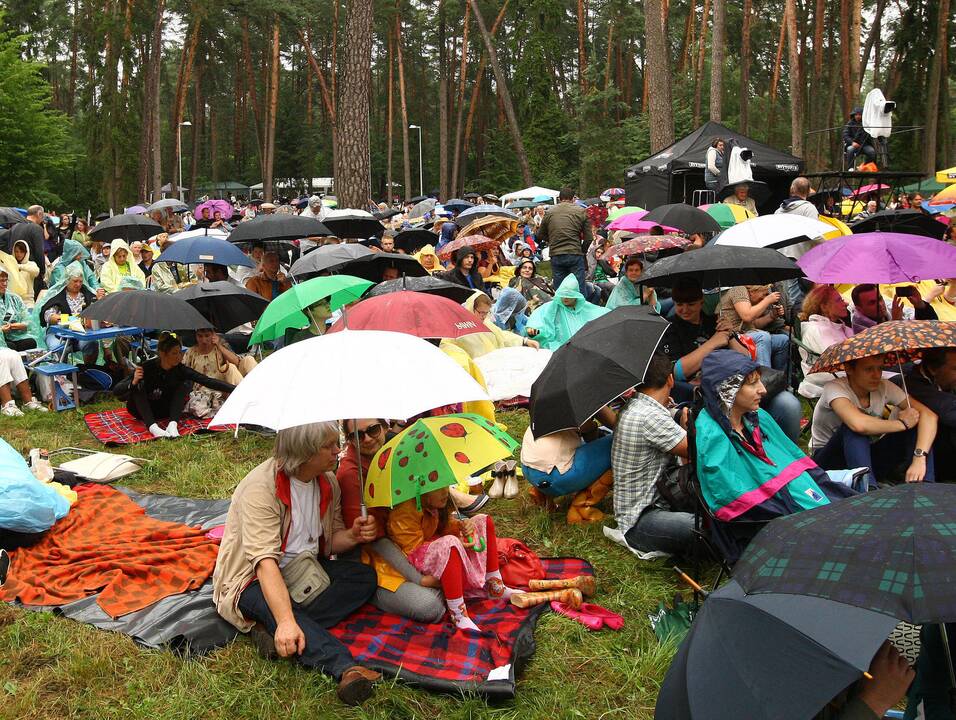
(112, 274)
(478, 344)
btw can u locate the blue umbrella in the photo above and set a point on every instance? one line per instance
(456, 205)
(479, 211)
(205, 249)
(542, 199)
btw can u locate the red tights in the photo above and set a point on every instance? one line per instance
(452, 579)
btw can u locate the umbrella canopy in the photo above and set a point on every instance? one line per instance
(135, 210)
(433, 453)
(386, 214)
(721, 266)
(224, 304)
(838, 227)
(174, 204)
(781, 657)
(126, 227)
(199, 232)
(481, 211)
(456, 205)
(611, 193)
(495, 227)
(340, 376)
(277, 229)
(602, 360)
(944, 197)
(214, 206)
(529, 193)
(425, 316)
(615, 213)
(900, 340)
(422, 208)
(773, 231)
(522, 205)
(353, 224)
(892, 551)
(646, 243)
(327, 259)
(912, 222)
(372, 267)
(867, 189)
(471, 196)
(204, 249)
(426, 284)
(684, 217)
(637, 222)
(727, 215)
(287, 311)
(411, 241)
(146, 309)
(879, 257)
(475, 242)
(419, 198)
(9, 216)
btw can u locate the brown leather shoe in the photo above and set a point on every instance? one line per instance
(264, 642)
(355, 687)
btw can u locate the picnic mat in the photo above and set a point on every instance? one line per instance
(118, 427)
(107, 544)
(432, 657)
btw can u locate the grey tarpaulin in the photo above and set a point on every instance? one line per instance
(187, 622)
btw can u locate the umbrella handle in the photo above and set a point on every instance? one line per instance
(362, 507)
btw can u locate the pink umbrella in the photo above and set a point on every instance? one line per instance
(872, 187)
(633, 222)
(214, 206)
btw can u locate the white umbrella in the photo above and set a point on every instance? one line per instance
(773, 231)
(339, 376)
(200, 232)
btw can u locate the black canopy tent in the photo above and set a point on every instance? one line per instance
(673, 174)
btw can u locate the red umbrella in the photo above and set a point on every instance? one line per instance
(412, 313)
(647, 243)
(475, 242)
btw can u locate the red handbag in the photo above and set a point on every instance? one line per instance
(518, 563)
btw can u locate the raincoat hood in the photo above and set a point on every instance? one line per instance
(111, 275)
(428, 250)
(556, 323)
(469, 304)
(23, 244)
(718, 373)
(569, 288)
(509, 304)
(462, 254)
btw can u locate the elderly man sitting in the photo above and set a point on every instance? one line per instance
(274, 575)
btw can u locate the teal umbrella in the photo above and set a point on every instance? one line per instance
(288, 310)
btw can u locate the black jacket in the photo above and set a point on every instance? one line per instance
(60, 302)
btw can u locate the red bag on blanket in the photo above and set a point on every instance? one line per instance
(518, 563)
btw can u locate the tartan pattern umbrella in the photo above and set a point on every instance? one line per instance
(899, 340)
(647, 243)
(892, 551)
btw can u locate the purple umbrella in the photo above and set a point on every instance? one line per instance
(879, 257)
(135, 210)
(214, 206)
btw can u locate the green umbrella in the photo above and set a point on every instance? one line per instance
(626, 210)
(287, 310)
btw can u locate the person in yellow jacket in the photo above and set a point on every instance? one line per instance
(119, 266)
(482, 343)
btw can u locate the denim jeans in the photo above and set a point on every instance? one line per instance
(591, 461)
(772, 348)
(661, 530)
(847, 449)
(564, 265)
(869, 153)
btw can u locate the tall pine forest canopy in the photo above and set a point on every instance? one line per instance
(93, 93)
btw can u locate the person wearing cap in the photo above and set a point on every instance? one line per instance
(146, 254)
(267, 208)
(856, 139)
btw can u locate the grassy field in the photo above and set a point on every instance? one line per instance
(53, 668)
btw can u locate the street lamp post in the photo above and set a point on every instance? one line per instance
(421, 177)
(179, 154)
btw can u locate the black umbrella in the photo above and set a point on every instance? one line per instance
(419, 198)
(593, 201)
(604, 359)
(424, 284)
(684, 217)
(471, 196)
(385, 214)
(327, 259)
(411, 241)
(126, 227)
(373, 266)
(9, 216)
(279, 230)
(354, 226)
(769, 657)
(722, 265)
(224, 304)
(912, 222)
(146, 309)
(456, 205)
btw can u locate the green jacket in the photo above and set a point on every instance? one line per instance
(565, 230)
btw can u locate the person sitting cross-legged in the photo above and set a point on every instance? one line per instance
(932, 381)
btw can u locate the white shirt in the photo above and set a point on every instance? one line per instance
(306, 520)
(826, 421)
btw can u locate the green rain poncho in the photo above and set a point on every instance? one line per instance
(556, 322)
(74, 251)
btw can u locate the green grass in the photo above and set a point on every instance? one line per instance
(53, 668)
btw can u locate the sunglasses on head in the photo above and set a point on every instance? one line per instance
(370, 431)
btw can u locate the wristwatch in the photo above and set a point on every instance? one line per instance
(920, 452)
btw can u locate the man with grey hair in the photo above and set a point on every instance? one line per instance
(31, 232)
(274, 575)
(797, 204)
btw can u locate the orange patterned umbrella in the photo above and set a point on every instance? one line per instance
(493, 226)
(475, 242)
(899, 340)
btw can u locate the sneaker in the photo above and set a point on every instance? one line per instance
(172, 430)
(10, 409)
(36, 405)
(156, 431)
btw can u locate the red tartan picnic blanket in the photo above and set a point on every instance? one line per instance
(438, 658)
(118, 427)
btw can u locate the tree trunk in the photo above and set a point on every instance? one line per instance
(687, 45)
(442, 105)
(607, 60)
(456, 179)
(796, 79)
(846, 76)
(328, 98)
(657, 77)
(935, 86)
(251, 89)
(745, 67)
(74, 51)
(701, 56)
(856, 32)
(404, 104)
(352, 181)
(775, 80)
(504, 95)
(156, 63)
(582, 57)
(717, 61)
(272, 106)
(182, 84)
(873, 38)
(198, 129)
(390, 122)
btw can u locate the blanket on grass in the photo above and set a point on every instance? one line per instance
(107, 545)
(432, 657)
(118, 427)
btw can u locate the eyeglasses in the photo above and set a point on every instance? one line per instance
(370, 431)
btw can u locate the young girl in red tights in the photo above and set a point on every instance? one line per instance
(456, 555)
